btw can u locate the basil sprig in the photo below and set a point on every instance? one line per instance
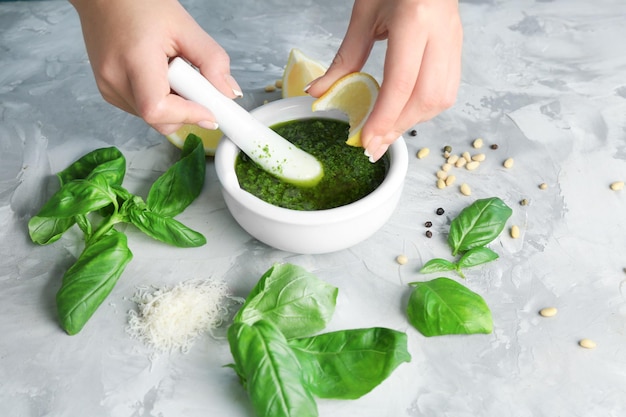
(92, 197)
(443, 306)
(284, 366)
(476, 226)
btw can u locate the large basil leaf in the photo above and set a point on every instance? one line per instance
(478, 224)
(443, 306)
(295, 300)
(179, 186)
(77, 197)
(45, 230)
(90, 280)
(350, 363)
(270, 371)
(165, 229)
(107, 163)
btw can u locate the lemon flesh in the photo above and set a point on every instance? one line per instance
(354, 95)
(210, 138)
(299, 72)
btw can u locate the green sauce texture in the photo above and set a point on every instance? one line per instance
(348, 174)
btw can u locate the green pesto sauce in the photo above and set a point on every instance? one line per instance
(348, 173)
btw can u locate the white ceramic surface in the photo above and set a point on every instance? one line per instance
(308, 232)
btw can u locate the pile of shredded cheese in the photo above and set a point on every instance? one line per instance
(171, 319)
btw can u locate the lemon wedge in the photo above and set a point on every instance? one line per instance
(210, 138)
(354, 95)
(299, 72)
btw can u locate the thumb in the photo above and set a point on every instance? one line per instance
(351, 57)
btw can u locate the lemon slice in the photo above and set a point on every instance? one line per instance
(299, 72)
(354, 95)
(210, 138)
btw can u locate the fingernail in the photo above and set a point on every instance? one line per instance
(373, 145)
(306, 88)
(232, 83)
(366, 153)
(207, 124)
(380, 152)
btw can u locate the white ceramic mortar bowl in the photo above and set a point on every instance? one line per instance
(308, 232)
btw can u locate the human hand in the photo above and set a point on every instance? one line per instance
(129, 43)
(422, 67)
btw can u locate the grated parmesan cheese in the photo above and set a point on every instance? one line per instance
(171, 319)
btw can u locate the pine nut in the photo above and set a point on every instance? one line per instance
(446, 167)
(465, 189)
(470, 166)
(515, 231)
(478, 143)
(423, 153)
(279, 83)
(508, 163)
(543, 186)
(460, 162)
(442, 175)
(270, 88)
(617, 185)
(441, 184)
(587, 343)
(450, 180)
(466, 155)
(402, 259)
(548, 312)
(452, 159)
(480, 157)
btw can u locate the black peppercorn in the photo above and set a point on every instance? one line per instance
(429, 234)
(440, 211)
(494, 146)
(447, 148)
(413, 132)
(428, 224)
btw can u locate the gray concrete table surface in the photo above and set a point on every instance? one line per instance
(545, 80)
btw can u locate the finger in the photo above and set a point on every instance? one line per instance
(109, 82)
(403, 59)
(210, 58)
(437, 84)
(153, 98)
(352, 54)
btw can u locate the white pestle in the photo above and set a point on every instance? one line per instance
(268, 149)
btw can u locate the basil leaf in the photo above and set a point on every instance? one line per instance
(477, 256)
(478, 224)
(437, 265)
(443, 306)
(77, 197)
(45, 230)
(293, 299)
(350, 363)
(107, 163)
(270, 371)
(90, 280)
(165, 229)
(179, 186)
